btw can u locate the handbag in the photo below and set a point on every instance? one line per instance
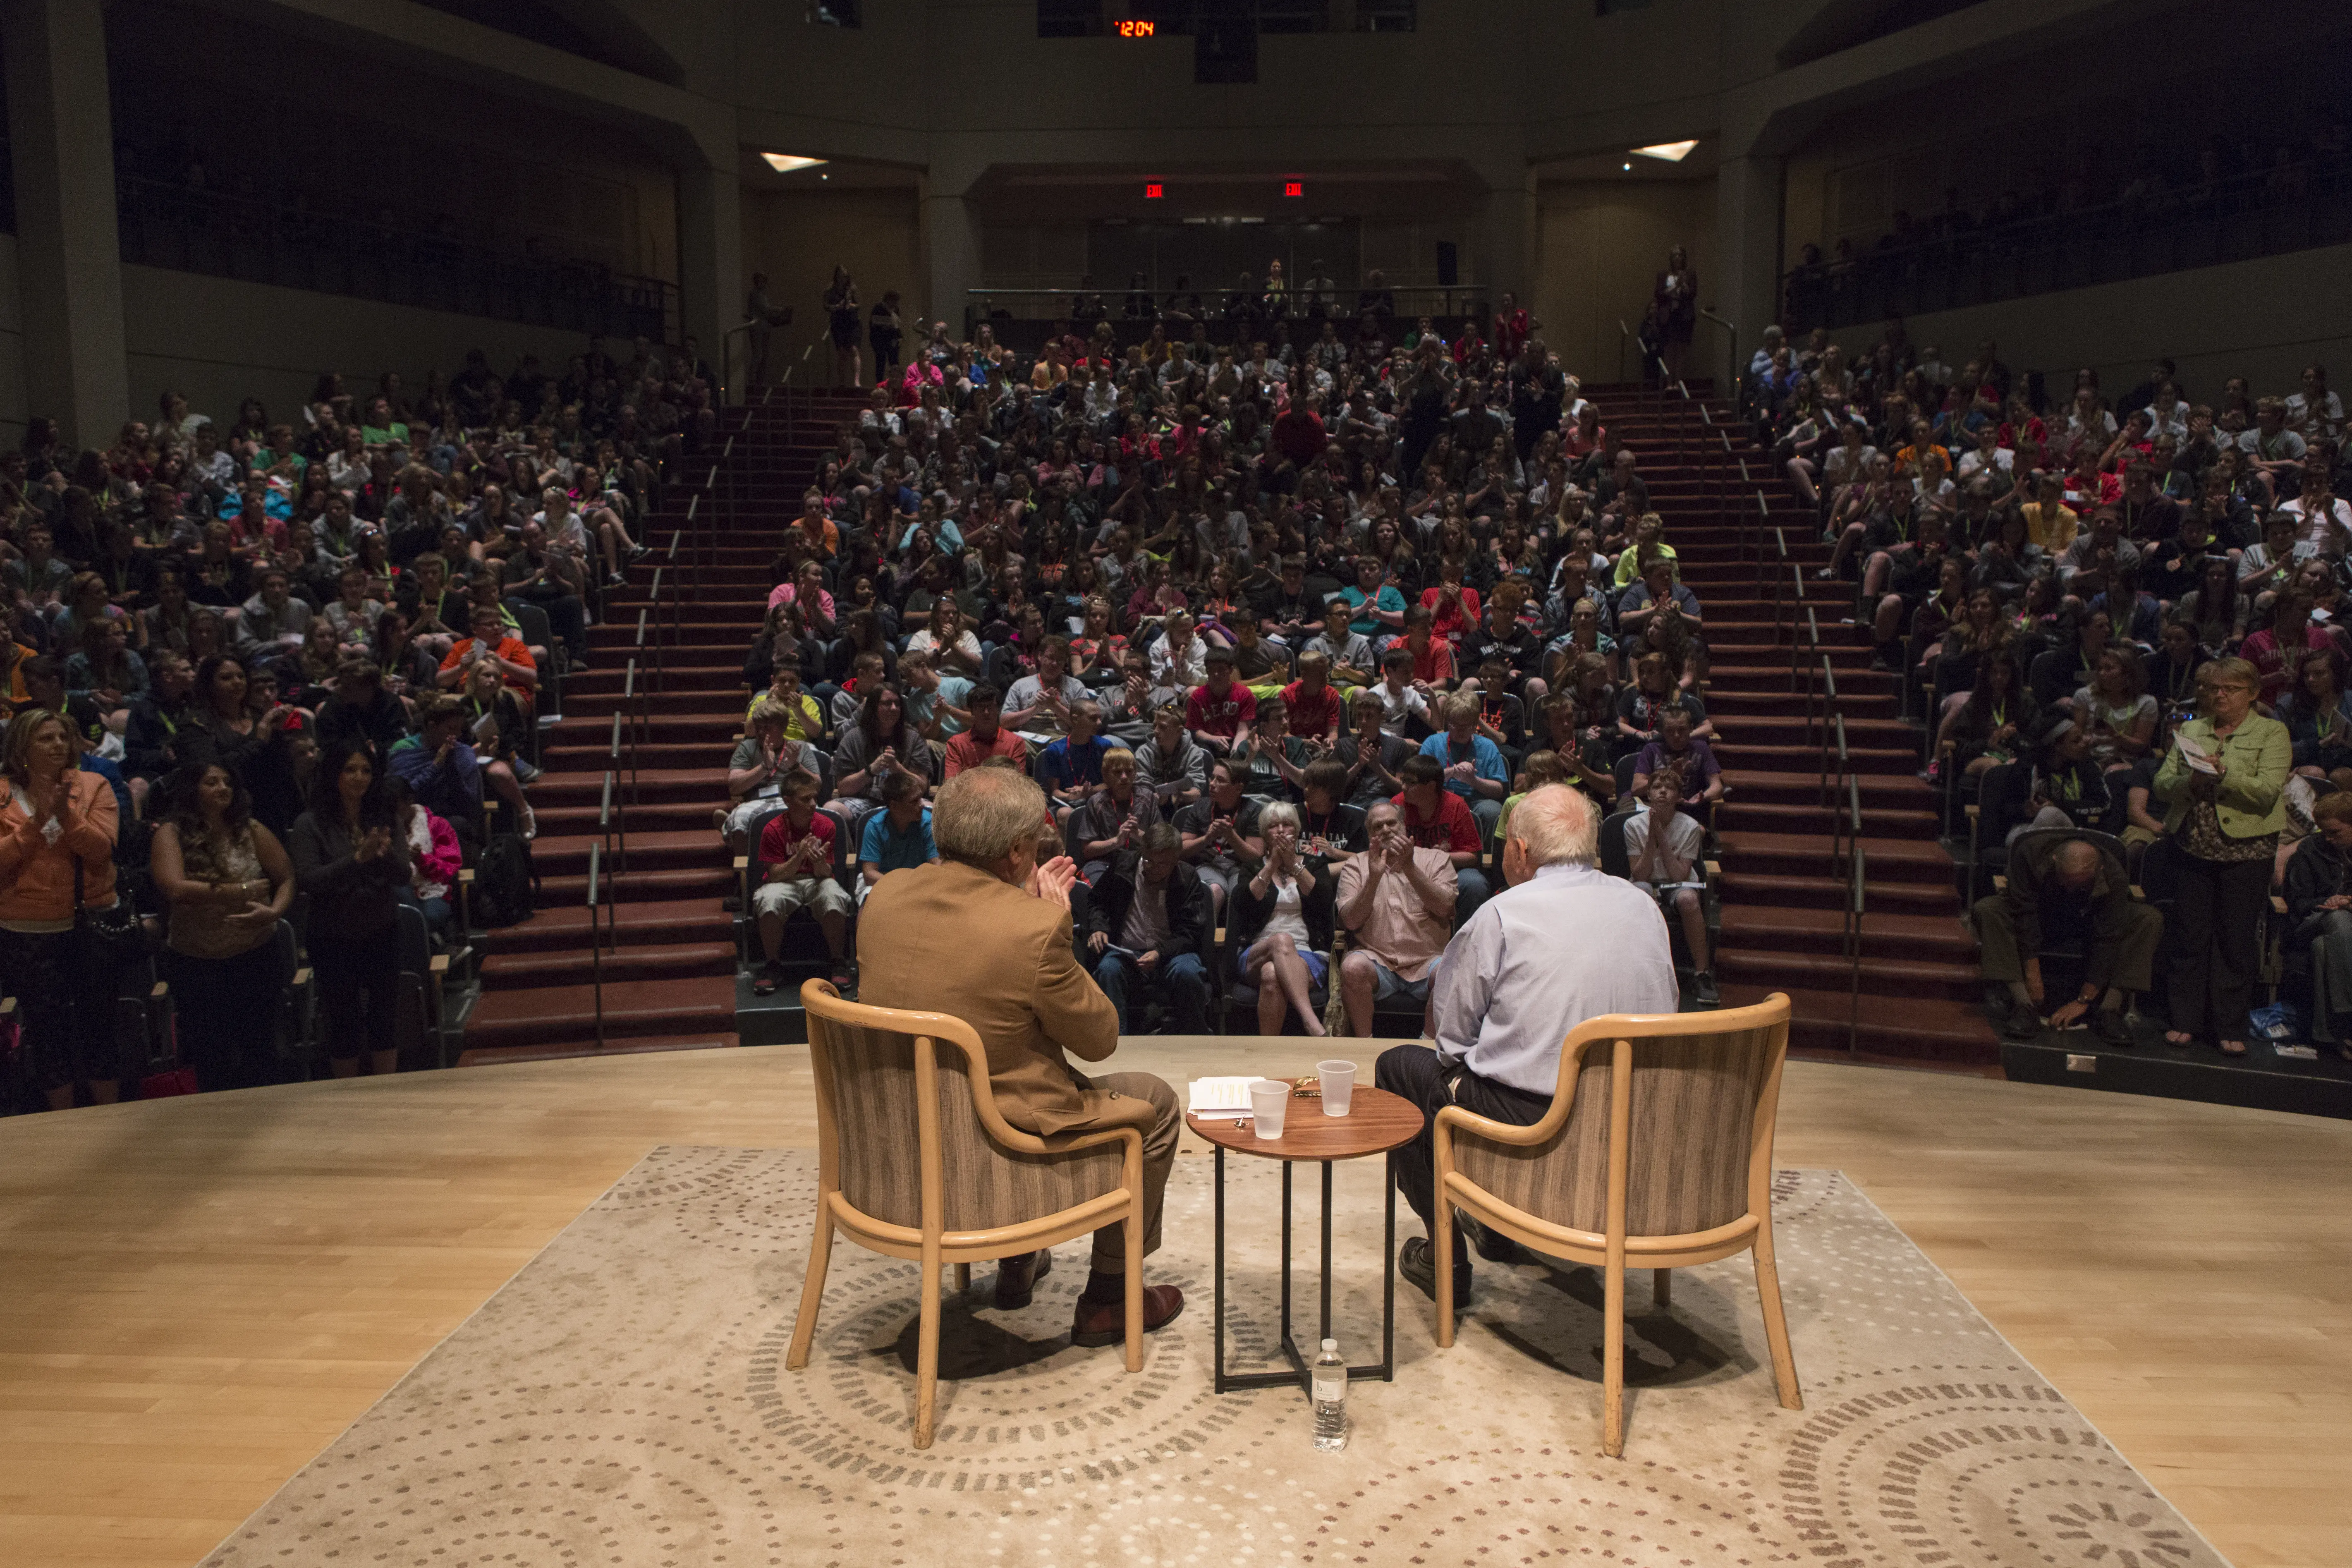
(113, 931)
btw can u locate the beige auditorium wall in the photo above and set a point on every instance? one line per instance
(220, 341)
(1602, 246)
(2264, 319)
(797, 238)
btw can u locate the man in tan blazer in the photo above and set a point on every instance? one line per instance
(984, 934)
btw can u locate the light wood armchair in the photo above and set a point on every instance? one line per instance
(1656, 1152)
(914, 1161)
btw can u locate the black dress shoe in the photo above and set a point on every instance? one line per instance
(1017, 1277)
(1491, 1244)
(2021, 1023)
(2111, 1027)
(1413, 1263)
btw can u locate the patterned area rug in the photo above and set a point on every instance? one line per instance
(624, 1400)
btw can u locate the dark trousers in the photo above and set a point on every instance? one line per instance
(567, 614)
(63, 985)
(1413, 1072)
(359, 979)
(1182, 980)
(2216, 915)
(225, 1012)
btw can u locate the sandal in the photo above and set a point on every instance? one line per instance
(2233, 1048)
(2175, 1037)
(767, 980)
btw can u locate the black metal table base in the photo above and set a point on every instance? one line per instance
(1300, 1376)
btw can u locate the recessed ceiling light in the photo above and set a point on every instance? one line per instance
(1672, 152)
(1629, 168)
(785, 163)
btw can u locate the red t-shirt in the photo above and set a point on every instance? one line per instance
(1433, 663)
(968, 750)
(1313, 717)
(1454, 830)
(1454, 621)
(1207, 713)
(778, 839)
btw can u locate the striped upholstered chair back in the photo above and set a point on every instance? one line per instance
(904, 1111)
(1694, 1128)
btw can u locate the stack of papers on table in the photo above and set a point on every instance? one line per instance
(1222, 1097)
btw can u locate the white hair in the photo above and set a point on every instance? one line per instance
(1556, 823)
(1277, 814)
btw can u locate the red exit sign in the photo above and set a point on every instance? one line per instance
(1136, 30)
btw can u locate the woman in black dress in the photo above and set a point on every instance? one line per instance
(841, 321)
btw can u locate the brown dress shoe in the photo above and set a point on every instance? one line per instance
(1016, 1275)
(1106, 1324)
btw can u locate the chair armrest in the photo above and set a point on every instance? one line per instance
(1711, 869)
(1459, 1121)
(440, 965)
(301, 978)
(742, 863)
(1972, 811)
(2000, 882)
(159, 991)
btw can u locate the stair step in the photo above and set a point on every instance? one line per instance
(1934, 1029)
(567, 1014)
(621, 966)
(564, 927)
(496, 1056)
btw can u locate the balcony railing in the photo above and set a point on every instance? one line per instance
(223, 236)
(2268, 212)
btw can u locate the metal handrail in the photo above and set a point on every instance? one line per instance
(632, 701)
(612, 828)
(595, 941)
(1858, 884)
(661, 675)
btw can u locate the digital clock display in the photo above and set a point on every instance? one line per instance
(1136, 30)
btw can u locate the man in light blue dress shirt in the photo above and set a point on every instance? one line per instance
(1565, 942)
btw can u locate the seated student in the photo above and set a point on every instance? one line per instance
(1399, 901)
(1311, 703)
(1280, 928)
(937, 704)
(1348, 654)
(1502, 718)
(881, 743)
(1474, 764)
(804, 720)
(1436, 818)
(794, 866)
(987, 738)
(1116, 816)
(762, 760)
(1371, 754)
(1541, 768)
(866, 675)
(1071, 767)
(361, 710)
(441, 772)
(2319, 905)
(1662, 846)
(2066, 887)
(1143, 929)
(1406, 701)
(1693, 761)
(1219, 710)
(492, 641)
(1430, 657)
(1220, 832)
(1897, 580)
(1273, 757)
(2066, 786)
(1171, 765)
(1040, 704)
(899, 836)
(1329, 826)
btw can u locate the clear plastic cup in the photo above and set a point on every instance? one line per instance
(1269, 1100)
(1339, 1086)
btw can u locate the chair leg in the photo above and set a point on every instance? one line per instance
(1776, 1321)
(1441, 1248)
(1662, 1289)
(927, 1354)
(812, 1291)
(963, 1278)
(1131, 1234)
(1613, 1363)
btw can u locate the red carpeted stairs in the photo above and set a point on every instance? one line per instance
(669, 973)
(1782, 894)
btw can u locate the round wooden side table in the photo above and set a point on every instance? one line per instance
(1377, 1122)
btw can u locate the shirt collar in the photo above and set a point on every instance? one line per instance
(1565, 869)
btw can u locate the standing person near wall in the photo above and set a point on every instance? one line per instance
(763, 317)
(1674, 311)
(841, 323)
(886, 333)
(350, 856)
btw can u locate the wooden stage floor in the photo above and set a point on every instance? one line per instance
(197, 1295)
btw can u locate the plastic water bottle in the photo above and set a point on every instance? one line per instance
(1329, 1379)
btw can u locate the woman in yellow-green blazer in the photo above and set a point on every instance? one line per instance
(2223, 828)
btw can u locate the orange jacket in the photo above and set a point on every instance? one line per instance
(36, 878)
